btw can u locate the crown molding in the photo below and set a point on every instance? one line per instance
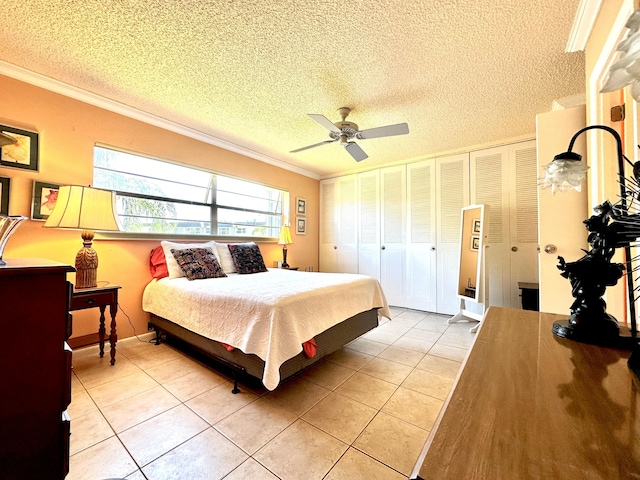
(70, 91)
(583, 23)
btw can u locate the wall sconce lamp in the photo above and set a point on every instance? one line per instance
(285, 239)
(589, 276)
(87, 209)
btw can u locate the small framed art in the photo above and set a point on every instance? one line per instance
(301, 206)
(5, 184)
(45, 196)
(301, 226)
(23, 153)
(475, 243)
(476, 226)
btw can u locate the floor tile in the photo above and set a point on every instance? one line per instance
(415, 344)
(301, 452)
(107, 459)
(386, 370)
(340, 416)
(297, 395)
(218, 403)
(194, 383)
(414, 407)
(367, 389)
(173, 369)
(255, 425)
(103, 371)
(139, 408)
(251, 469)
(401, 355)
(424, 335)
(392, 441)
(429, 383)
(452, 353)
(350, 358)
(327, 374)
(81, 404)
(367, 346)
(439, 365)
(88, 430)
(207, 456)
(355, 465)
(155, 437)
(121, 388)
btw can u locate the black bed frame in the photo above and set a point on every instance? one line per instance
(327, 342)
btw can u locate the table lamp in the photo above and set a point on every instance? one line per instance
(87, 209)
(285, 239)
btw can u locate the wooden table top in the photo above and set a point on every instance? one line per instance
(528, 404)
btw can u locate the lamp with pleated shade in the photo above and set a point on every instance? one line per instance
(285, 239)
(86, 209)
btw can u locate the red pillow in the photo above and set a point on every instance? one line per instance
(158, 263)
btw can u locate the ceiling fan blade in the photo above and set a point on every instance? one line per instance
(311, 146)
(355, 151)
(325, 122)
(388, 131)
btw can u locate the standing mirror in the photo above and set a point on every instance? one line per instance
(471, 282)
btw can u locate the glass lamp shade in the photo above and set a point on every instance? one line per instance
(626, 70)
(562, 175)
(8, 225)
(87, 209)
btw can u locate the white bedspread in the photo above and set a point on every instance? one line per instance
(270, 314)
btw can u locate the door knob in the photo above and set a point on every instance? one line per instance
(383, 247)
(550, 248)
(514, 249)
(335, 247)
(433, 249)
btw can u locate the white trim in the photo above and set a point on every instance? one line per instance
(569, 102)
(70, 91)
(583, 23)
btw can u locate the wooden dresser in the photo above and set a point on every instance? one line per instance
(530, 405)
(35, 366)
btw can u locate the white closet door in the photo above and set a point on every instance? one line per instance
(490, 186)
(347, 225)
(369, 223)
(328, 226)
(421, 280)
(393, 241)
(523, 218)
(452, 193)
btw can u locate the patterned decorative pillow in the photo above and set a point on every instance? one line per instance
(247, 258)
(198, 263)
(172, 266)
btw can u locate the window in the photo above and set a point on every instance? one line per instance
(154, 196)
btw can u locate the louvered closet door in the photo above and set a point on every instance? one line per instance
(452, 193)
(347, 225)
(328, 226)
(523, 218)
(421, 291)
(489, 184)
(369, 223)
(393, 222)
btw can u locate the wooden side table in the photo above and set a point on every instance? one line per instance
(100, 297)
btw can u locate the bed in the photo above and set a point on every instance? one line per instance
(270, 323)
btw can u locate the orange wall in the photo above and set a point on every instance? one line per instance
(68, 130)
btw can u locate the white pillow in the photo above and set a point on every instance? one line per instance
(172, 266)
(225, 258)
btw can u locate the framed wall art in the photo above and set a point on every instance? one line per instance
(23, 153)
(45, 196)
(476, 226)
(301, 206)
(475, 243)
(301, 226)
(5, 184)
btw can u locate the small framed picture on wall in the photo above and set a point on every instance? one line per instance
(23, 153)
(301, 226)
(5, 184)
(301, 206)
(476, 226)
(475, 243)
(45, 196)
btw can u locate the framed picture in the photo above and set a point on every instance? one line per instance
(23, 153)
(5, 183)
(475, 243)
(45, 196)
(476, 226)
(301, 226)
(301, 206)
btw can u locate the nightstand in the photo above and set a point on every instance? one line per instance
(100, 297)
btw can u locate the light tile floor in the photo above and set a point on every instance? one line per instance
(362, 413)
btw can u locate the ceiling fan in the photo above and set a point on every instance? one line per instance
(344, 132)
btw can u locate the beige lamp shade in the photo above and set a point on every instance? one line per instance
(88, 209)
(285, 236)
(84, 208)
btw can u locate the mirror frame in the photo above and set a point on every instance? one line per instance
(472, 242)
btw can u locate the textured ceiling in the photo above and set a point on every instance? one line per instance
(461, 73)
